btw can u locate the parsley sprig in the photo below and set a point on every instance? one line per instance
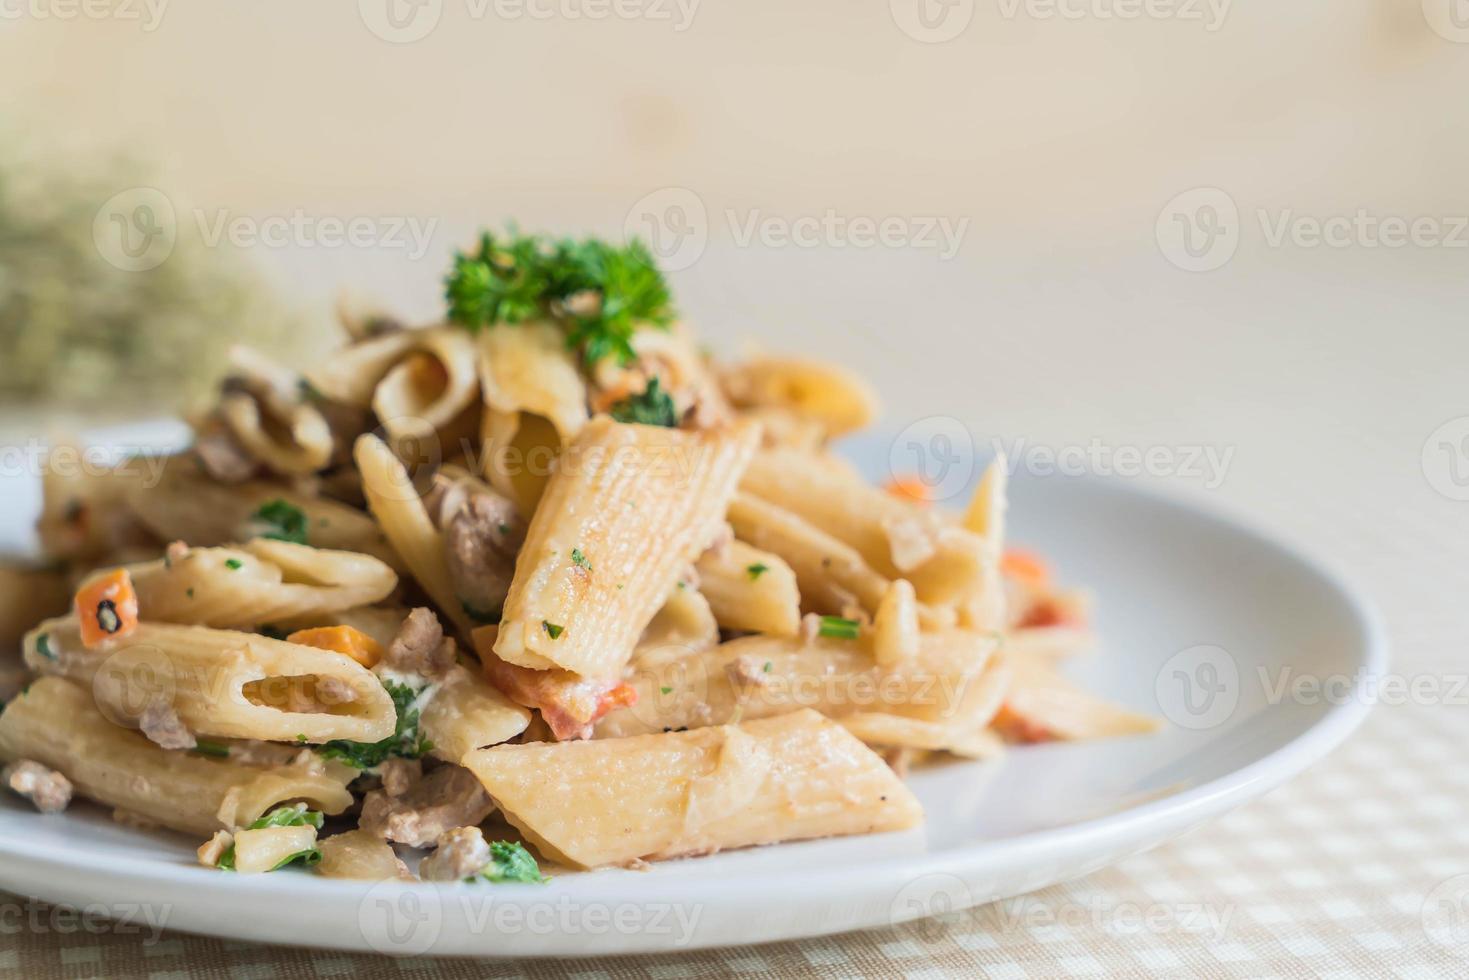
(294, 815)
(406, 741)
(652, 406)
(509, 861)
(599, 293)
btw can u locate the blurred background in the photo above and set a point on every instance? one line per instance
(1215, 225)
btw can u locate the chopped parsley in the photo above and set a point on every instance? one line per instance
(280, 520)
(189, 592)
(406, 741)
(509, 862)
(666, 690)
(837, 628)
(580, 560)
(233, 564)
(652, 407)
(295, 815)
(767, 666)
(552, 629)
(599, 293)
(756, 570)
(217, 750)
(43, 646)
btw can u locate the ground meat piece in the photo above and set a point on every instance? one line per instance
(213, 849)
(461, 853)
(481, 539)
(446, 798)
(420, 647)
(48, 789)
(161, 723)
(400, 775)
(747, 670)
(223, 458)
(176, 551)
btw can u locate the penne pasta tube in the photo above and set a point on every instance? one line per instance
(897, 538)
(1043, 705)
(429, 387)
(468, 713)
(953, 680)
(360, 856)
(264, 409)
(188, 506)
(406, 524)
(56, 724)
(259, 582)
(614, 802)
(684, 625)
(830, 573)
(627, 510)
(750, 590)
(884, 731)
(236, 685)
(985, 609)
(835, 398)
(895, 626)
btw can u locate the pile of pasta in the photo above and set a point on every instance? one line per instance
(464, 593)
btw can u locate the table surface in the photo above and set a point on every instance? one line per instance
(1331, 387)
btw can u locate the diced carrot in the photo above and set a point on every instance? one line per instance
(1026, 566)
(910, 488)
(621, 696)
(1016, 727)
(345, 640)
(107, 607)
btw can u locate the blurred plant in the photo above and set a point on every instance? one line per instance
(77, 331)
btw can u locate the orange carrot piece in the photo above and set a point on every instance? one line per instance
(346, 640)
(1026, 566)
(107, 607)
(910, 488)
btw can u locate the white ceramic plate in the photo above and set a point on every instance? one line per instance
(1199, 618)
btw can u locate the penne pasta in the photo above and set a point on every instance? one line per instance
(1042, 705)
(837, 400)
(56, 724)
(218, 682)
(429, 388)
(629, 508)
(897, 538)
(259, 582)
(468, 713)
(750, 590)
(613, 802)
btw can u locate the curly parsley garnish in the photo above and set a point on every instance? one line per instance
(510, 862)
(406, 740)
(652, 407)
(599, 293)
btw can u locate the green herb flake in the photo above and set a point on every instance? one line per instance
(510, 862)
(756, 570)
(294, 815)
(552, 630)
(837, 628)
(43, 646)
(579, 559)
(217, 750)
(405, 742)
(280, 520)
(233, 564)
(666, 690)
(189, 592)
(652, 407)
(767, 666)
